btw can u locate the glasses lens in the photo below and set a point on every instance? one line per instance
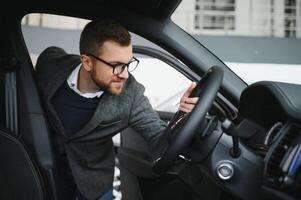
(118, 69)
(130, 67)
(133, 65)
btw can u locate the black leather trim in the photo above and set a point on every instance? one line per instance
(285, 96)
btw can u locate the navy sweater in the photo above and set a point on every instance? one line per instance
(73, 109)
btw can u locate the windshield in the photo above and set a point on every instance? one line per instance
(257, 39)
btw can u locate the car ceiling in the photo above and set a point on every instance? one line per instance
(91, 9)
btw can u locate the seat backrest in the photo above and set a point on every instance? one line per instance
(28, 165)
(38, 135)
(19, 176)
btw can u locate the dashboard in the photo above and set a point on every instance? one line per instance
(270, 125)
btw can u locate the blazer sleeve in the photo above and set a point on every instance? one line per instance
(146, 121)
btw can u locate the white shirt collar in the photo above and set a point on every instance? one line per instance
(72, 82)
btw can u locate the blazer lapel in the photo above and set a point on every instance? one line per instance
(108, 110)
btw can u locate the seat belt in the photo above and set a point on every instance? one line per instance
(11, 66)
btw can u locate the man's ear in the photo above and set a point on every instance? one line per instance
(86, 62)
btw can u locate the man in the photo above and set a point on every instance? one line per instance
(92, 97)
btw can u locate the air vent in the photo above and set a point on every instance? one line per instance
(279, 153)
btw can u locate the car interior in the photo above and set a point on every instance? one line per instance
(239, 142)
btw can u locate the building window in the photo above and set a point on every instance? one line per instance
(197, 22)
(220, 5)
(290, 18)
(219, 22)
(214, 15)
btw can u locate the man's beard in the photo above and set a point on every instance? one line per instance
(114, 87)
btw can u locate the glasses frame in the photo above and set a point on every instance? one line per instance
(114, 66)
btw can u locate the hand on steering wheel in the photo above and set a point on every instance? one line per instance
(188, 100)
(183, 126)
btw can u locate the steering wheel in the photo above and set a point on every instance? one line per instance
(184, 126)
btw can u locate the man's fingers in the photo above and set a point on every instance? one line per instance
(184, 110)
(186, 107)
(189, 90)
(188, 104)
(192, 100)
(187, 100)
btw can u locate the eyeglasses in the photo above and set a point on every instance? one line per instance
(119, 67)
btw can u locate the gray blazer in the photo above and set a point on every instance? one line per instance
(90, 151)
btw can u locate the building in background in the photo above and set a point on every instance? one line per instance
(54, 21)
(272, 18)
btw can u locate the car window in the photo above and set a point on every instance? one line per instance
(258, 40)
(165, 92)
(43, 30)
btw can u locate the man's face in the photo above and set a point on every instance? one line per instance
(102, 74)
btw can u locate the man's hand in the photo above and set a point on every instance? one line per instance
(186, 103)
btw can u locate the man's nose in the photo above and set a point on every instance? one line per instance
(124, 74)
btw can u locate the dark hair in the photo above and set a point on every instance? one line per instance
(99, 31)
